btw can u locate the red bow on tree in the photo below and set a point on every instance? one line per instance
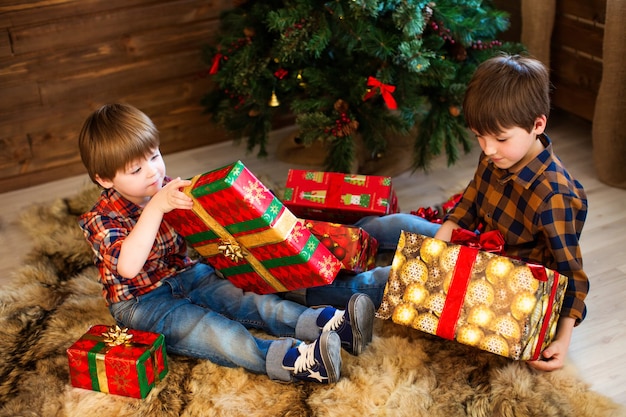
(385, 91)
(491, 241)
(216, 63)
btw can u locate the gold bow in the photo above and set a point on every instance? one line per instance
(116, 336)
(231, 250)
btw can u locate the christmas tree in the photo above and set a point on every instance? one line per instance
(352, 67)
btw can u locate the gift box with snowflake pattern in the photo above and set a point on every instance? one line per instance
(249, 236)
(479, 298)
(352, 245)
(337, 197)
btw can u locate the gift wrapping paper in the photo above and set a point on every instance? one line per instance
(249, 236)
(353, 246)
(118, 361)
(337, 197)
(479, 298)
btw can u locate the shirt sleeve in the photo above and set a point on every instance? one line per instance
(558, 220)
(464, 213)
(106, 237)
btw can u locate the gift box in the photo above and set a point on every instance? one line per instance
(249, 236)
(336, 197)
(353, 246)
(118, 361)
(476, 297)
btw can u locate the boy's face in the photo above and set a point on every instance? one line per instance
(140, 180)
(513, 148)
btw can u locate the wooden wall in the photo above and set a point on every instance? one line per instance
(576, 55)
(61, 59)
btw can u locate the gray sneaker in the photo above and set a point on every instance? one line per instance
(354, 325)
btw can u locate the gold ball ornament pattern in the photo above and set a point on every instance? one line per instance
(522, 279)
(415, 293)
(435, 303)
(448, 258)
(523, 304)
(435, 278)
(495, 344)
(480, 292)
(481, 315)
(469, 334)
(404, 314)
(431, 249)
(426, 322)
(507, 327)
(414, 270)
(497, 269)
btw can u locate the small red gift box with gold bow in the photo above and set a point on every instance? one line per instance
(353, 246)
(468, 292)
(248, 235)
(337, 197)
(118, 361)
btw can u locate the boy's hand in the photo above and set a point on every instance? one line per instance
(553, 357)
(170, 197)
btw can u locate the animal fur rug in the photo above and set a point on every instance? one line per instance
(56, 297)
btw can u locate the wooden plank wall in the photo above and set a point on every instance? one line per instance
(576, 55)
(61, 59)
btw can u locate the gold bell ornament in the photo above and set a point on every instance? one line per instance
(273, 100)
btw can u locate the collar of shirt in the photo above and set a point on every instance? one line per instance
(528, 174)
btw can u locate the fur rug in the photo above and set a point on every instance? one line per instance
(56, 297)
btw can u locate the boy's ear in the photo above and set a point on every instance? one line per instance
(540, 124)
(104, 183)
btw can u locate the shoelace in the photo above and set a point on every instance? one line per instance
(335, 322)
(306, 359)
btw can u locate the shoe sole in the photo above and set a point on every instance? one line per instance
(362, 323)
(331, 358)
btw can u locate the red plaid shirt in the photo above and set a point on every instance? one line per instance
(540, 211)
(106, 226)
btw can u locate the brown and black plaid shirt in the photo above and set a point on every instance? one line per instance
(540, 210)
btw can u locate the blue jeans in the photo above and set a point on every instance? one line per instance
(204, 316)
(386, 230)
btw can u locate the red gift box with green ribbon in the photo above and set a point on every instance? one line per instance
(246, 233)
(337, 197)
(469, 292)
(353, 246)
(118, 361)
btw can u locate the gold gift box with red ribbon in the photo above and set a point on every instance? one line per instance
(248, 235)
(466, 293)
(118, 361)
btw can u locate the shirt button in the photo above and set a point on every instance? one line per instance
(488, 215)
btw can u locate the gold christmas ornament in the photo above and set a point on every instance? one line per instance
(497, 269)
(507, 327)
(480, 292)
(522, 279)
(495, 344)
(431, 249)
(447, 260)
(414, 270)
(470, 334)
(273, 100)
(434, 303)
(426, 322)
(415, 293)
(523, 304)
(481, 315)
(404, 314)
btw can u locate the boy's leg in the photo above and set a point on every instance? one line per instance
(386, 229)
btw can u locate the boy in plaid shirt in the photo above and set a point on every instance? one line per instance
(520, 188)
(150, 284)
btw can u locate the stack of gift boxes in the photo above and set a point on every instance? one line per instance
(267, 245)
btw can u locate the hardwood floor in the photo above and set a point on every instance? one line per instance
(598, 344)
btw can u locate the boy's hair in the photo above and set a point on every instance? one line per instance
(114, 136)
(507, 91)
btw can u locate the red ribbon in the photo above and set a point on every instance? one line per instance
(385, 91)
(491, 241)
(428, 213)
(449, 205)
(216, 63)
(281, 73)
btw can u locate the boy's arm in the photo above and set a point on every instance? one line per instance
(138, 244)
(445, 231)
